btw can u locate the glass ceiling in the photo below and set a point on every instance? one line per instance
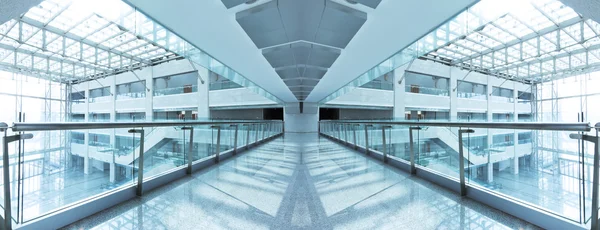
(531, 41)
(72, 41)
(538, 41)
(68, 41)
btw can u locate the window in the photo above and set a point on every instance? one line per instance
(131, 90)
(502, 94)
(471, 90)
(176, 84)
(426, 84)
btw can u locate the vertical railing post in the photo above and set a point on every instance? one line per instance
(249, 126)
(7, 222)
(461, 161)
(139, 189)
(596, 177)
(256, 137)
(190, 159)
(413, 168)
(345, 133)
(384, 149)
(595, 173)
(6, 172)
(235, 139)
(218, 149)
(354, 131)
(264, 128)
(367, 138)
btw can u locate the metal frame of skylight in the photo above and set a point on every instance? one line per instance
(41, 48)
(528, 55)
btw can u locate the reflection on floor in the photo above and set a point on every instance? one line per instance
(44, 193)
(301, 181)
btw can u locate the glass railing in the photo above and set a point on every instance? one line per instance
(534, 176)
(78, 141)
(177, 90)
(476, 96)
(426, 90)
(378, 85)
(224, 85)
(131, 119)
(502, 99)
(134, 95)
(525, 141)
(502, 144)
(100, 99)
(99, 119)
(523, 101)
(98, 144)
(81, 174)
(78, 101)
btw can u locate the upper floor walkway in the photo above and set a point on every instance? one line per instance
(301, 181)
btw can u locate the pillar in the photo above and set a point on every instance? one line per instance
(490, 118)
(86, 137)
(399, 92)
(516, 134)
(113, 118)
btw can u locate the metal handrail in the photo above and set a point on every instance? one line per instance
(466, 127)
(574, 126)
(28, 126)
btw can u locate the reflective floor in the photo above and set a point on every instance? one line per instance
(301, 181)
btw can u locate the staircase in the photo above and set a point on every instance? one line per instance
(449, 139)
(153, 141)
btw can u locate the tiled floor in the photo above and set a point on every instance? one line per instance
(301, 182)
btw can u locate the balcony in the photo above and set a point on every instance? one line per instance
(176, 90)
(426, 90)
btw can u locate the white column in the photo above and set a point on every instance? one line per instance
(113, 118)
(399, 92)
(203, 82)
(86, 137)
(149, 108)
(490, 140)
(516, 134)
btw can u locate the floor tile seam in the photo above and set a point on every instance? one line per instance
(235, 198)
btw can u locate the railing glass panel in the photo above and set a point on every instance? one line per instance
(176, 90)
(426, 90)
(100, 99)
(134, 95)
(502, 99)
(533, 170)
(476, 96)
(45, 183)
(378, 85)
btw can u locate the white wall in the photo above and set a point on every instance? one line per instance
(305, 122)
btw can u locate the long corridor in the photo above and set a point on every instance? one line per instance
(301, 181)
